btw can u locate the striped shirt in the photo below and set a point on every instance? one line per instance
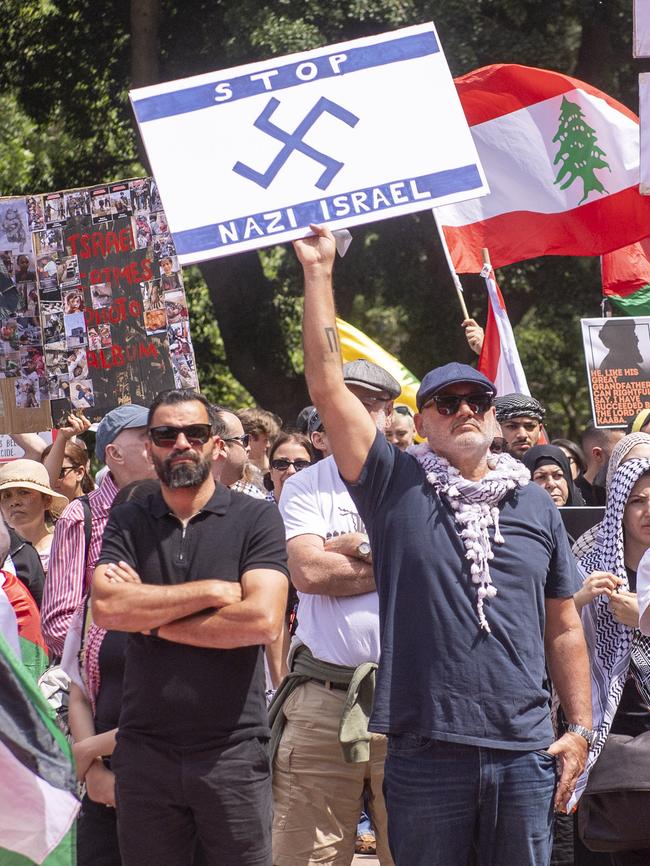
(66, 583)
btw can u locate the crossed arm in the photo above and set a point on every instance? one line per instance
(329, 567)
(205, 613)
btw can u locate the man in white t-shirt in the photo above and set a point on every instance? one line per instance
(318, 783)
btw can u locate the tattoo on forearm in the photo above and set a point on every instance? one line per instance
(332, 339)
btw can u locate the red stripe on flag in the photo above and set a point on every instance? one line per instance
(589, 230)
(493, 91)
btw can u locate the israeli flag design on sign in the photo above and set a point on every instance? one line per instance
(342, 136)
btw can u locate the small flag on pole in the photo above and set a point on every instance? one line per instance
(499, 359)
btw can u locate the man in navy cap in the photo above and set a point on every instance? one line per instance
(120, 443)
(475, 580)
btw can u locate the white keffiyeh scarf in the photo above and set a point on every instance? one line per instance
(476, 507)
(612, 645)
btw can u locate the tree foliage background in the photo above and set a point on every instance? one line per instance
(64, 76)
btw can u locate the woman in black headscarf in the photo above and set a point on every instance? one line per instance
(549, 468)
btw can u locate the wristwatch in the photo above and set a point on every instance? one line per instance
(364, 551)
(588, 735)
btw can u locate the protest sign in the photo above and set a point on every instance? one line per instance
(617, 354)
(9, 450)
(342, 135)
(92, 307)
(641, 46)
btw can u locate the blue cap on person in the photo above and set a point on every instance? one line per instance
(112, 424)
(451, 374)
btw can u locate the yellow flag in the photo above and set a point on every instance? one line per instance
(355, 344)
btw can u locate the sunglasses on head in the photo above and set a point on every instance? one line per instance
(282, 464)
(165, 437)
(449, 404)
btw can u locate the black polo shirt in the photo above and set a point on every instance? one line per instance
(193, 697)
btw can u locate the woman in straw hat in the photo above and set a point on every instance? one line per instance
(29, 505)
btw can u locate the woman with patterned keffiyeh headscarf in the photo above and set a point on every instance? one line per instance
(620, 655)
(630, 446)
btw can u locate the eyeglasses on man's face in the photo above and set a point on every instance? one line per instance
(243, 440)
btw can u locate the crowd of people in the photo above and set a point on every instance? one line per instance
(366, 630)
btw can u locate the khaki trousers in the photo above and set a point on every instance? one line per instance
(317, 797)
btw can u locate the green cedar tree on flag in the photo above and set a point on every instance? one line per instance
(626, 279)
(37, 776)
(562, 162)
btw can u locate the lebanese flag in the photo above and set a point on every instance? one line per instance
(499, 359)
(562, 162)
(626, 279)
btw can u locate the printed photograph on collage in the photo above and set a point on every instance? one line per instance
(14, 231)
(100, 204)
(48, 241)
(170, 273)
(69, 272)
(73, 301)
(140, 197)
(54, 208)
(35, 213)
(101, 295)
(176, 307)
(121, 200)
(27, 393)
(82, 395)
(77, 203)
(152, 296)
(75, 330)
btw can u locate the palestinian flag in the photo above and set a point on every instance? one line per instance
(37, 777)
(562, 162)
(33, 650)
(626, 279)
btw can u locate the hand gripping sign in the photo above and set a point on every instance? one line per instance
(342, 135)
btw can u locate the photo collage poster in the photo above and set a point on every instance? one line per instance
(93, 312)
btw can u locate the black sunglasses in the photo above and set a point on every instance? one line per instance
(64, 471)
(449, 404)
(243, 440)
(282, 464)
(165, 437)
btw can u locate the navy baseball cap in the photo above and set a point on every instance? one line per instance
(451, 374)
(111, 425)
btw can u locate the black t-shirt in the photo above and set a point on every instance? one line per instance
(111, 676)
(194, 697)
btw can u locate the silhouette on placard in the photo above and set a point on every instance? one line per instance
(622, 343)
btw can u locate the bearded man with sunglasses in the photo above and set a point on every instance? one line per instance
(475, 575)
(197, 575)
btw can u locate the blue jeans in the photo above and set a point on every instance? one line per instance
(448, 802)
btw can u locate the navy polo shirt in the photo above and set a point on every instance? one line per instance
(440, 674)
(185, 696)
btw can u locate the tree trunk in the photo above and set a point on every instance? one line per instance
(255, 347)
(145, 53)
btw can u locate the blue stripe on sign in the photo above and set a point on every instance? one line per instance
(203, 96)
(329, 209)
